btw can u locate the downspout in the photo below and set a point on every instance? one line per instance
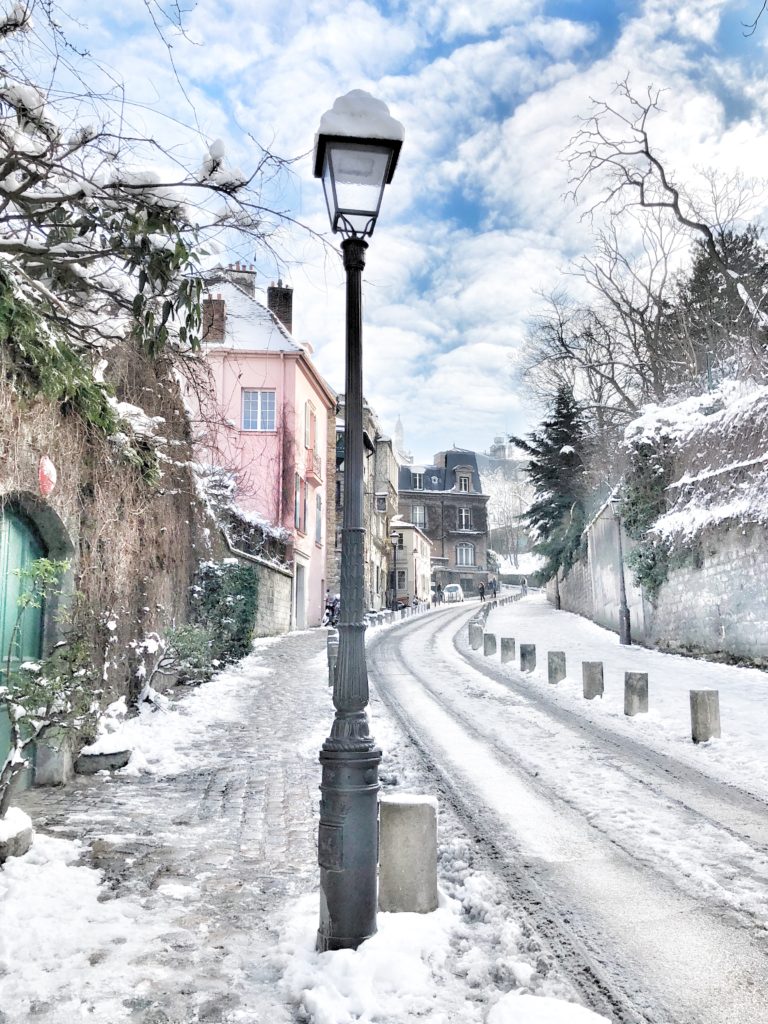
(280, 490)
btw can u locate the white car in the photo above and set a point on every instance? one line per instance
(453, 592)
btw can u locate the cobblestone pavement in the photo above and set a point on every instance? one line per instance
(213, 850)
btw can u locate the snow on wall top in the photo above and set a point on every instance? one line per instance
(718, 444)
(360, 115)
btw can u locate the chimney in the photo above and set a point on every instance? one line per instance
(280, 302)
(244, 277)
(214, 318)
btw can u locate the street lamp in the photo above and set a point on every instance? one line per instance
(356, 150)
(625, 634)
(395, 538)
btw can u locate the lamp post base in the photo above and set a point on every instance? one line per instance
(348, 846)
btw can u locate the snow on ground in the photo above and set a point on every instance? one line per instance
(738, 757)
(614, 796)
(468, 959)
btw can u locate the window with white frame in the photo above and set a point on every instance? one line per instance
(417, 481)
(465, 554)
(381, 503)
(258, 409)
(319, 518)
(464, 516)
(419, 515)
(310, 425)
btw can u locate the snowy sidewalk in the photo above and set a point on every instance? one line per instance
(209, 829)
(739, 757)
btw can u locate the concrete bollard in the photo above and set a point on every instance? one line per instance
(635, 693)
(556, 666)
(527, 657)
(507, 649)
(592, 679)
(705, 715)
(408, 854)
(475, 636)
(489, 644)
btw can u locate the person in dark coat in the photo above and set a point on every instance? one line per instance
(481, 590)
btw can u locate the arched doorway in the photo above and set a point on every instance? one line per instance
(29, 529)
(21, 638)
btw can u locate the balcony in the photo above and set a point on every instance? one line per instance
(314, 466)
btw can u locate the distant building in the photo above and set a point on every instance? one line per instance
(445, 501)
(264, 414)
(411, 564)
(379, 508)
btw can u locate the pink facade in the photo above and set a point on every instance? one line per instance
(268, 422)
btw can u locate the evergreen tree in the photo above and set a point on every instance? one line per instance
(556, 471)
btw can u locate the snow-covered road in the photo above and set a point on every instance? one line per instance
(641, 857)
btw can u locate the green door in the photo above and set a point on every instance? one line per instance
(19, 545)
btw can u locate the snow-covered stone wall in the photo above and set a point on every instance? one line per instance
(718, 605)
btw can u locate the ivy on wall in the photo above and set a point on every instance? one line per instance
(644, 500)
(224, 600)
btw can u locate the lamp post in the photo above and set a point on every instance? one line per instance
(395, 538)
(625, 633)
(356, 150)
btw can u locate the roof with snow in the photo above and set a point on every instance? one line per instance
(249, 324)
(443, 477)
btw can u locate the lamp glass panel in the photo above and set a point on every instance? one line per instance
(353, 178)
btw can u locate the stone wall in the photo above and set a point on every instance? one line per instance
(273, 613)
(717, 605)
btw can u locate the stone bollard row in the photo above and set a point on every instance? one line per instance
(507, 649)
(705, 715)
(527, 657)
(635, 693)
(592, 679)
(555, 666)
(475, 635)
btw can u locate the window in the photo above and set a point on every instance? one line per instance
(419, 515)
(464, 519)
(310, 425)
(258, 409)
(401, 579)
(417, 481)
(381, 503)
(464, 483)
(319, 518)
(465, 554)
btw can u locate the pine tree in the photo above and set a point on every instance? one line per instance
(556, 471)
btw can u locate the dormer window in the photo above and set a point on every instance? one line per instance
(464, 483)
(417, 481)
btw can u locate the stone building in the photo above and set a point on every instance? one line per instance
(445, 500)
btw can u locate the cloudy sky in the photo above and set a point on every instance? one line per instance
(474, 225)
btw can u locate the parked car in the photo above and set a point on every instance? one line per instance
(453, 592)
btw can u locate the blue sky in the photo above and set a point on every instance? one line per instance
(474, 225)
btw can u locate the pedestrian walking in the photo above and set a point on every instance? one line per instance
(481, 590)
(439, 593)
(523, 586)
(493, 586)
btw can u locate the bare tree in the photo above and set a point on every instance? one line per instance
(613, 150)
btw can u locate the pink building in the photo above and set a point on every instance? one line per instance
(267, 419)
